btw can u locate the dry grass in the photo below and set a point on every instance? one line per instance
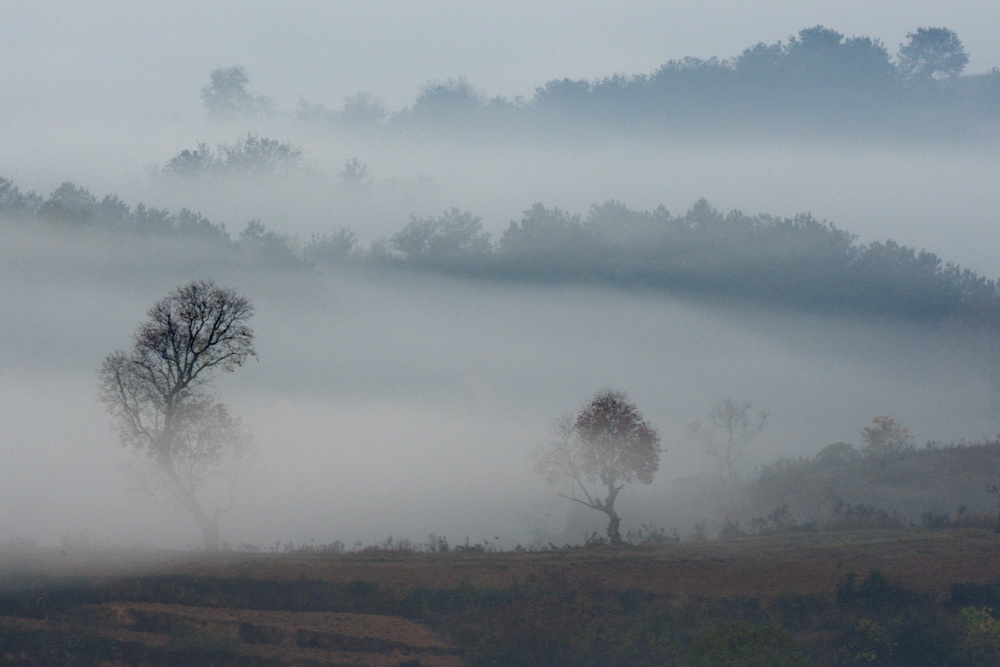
(762, 567)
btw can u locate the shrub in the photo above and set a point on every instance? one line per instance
(743, 645)
(981, 643)
(885, 438)
(837, 452)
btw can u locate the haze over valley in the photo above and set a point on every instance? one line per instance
(415, 336)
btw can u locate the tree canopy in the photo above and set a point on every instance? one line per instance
(606, 446)
(226, 96)
(932, 53)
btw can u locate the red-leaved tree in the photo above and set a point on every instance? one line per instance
(598, 451)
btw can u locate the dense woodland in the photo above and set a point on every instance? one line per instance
(817, 82)
(798, 262)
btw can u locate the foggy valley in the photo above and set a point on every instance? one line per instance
(402, 399)
(393, 402)
(461, 334)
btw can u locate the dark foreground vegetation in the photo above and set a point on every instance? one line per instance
(908, 597)
(873, 582)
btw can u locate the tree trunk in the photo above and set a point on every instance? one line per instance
(209, 524)
(608, 507)
(209, 531)
(614, 521)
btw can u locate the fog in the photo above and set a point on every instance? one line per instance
(938, 197)
(394, 405)
(384, 402)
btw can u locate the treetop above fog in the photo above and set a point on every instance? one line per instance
(817, 81)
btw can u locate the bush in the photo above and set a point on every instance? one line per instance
(981, 643)
(743, 645)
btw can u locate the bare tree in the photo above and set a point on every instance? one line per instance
(740, 425)
(158, 394)
(600, 450)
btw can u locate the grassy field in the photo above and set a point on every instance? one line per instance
(850, 597)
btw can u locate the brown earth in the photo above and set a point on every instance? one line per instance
(752, 566)
(287, 637)
(771, 565)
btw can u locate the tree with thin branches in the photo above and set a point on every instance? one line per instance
(158, 393)
(740, 424)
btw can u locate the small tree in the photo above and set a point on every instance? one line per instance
(885, 437)
(447, 101)
(157, 392)
(260, 156)
(16, 205)
(226, 96)
(600, 450)
(330, 248)
(932, 53)
(740, 426)
(354, 173)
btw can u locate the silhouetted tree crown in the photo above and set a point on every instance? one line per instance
(156, 392)
(226, 96)
(932, 53)
(455, 238)
(598, 452)
(619, 446)
(885, 437)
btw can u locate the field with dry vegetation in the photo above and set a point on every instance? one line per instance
(907, 596)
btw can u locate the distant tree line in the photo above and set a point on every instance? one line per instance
(798, 262)
(72, 207)
(817, 81)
